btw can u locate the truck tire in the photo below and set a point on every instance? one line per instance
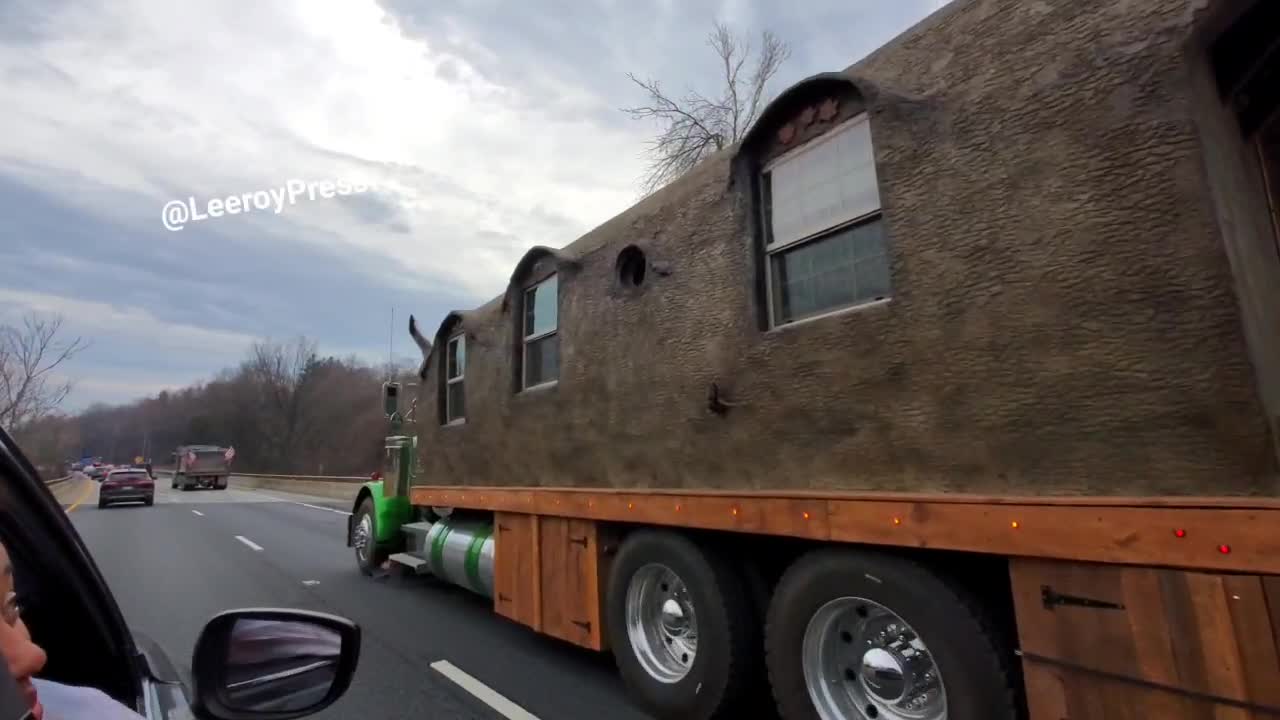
(834, 600)
(661, 587)
(221, 483)
(368, 557)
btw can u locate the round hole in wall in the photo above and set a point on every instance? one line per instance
(631, 266)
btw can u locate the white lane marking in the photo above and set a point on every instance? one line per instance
(484, 693)
(256, 547)
(197, 512)
(319, 507)
(309, 583)
(291, 502)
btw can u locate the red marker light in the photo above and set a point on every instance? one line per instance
(1224, 549)
(1180, 533)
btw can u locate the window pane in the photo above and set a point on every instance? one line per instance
(457, 357)
(822, 186)
(457, 401)
(541, 307)
(844, 268)
(542, 360)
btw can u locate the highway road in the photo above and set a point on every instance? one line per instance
(174, 565)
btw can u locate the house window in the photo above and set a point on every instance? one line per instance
(824, 239)
(455, 380)
(541, 359)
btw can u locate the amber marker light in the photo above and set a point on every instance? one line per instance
(897, 521)
(1015, 524)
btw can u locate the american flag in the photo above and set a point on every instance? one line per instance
(230, 453)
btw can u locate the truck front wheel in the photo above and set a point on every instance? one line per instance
(364, 539)
(680, 627)
(867, 636)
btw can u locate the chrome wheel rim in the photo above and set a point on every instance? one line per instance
(363, 532)
(863, 662)
(661, 623)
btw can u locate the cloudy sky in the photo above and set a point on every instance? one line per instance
(486, 126)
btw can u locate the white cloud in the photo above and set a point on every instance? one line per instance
(133, 326)
(126, 94)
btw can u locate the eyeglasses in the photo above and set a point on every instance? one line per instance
(11, 610)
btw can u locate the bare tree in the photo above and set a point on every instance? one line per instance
(29, 353)
(285, 376)
(694, 126)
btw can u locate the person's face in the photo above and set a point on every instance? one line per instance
(23, 656)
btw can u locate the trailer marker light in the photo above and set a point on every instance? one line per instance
(677, 507)
(631, 506)
(897, 521)
(734, 511)
(806, 514)
(1015, 525)
(1224, 549)
(1180, 533)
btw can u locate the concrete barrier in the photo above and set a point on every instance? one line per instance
(336, 489)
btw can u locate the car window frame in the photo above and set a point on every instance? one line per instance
(31, 516)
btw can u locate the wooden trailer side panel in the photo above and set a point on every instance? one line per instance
(516, 587)
(549, 574)
(1113, 642)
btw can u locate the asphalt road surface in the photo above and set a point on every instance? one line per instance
(430, 651)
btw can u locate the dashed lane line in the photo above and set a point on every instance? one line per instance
(197, 512)
(255, 546)
(482, 692)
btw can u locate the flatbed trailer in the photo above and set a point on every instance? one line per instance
(1026, 466)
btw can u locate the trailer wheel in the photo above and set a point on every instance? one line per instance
(680, 627)
(867, 636)
(363, 539)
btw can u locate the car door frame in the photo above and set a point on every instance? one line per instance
(31, 512)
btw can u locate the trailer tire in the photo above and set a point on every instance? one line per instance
(717, 678)
(368, 558)
(976, 669)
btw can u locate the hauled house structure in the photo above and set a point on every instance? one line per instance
(1026, 248)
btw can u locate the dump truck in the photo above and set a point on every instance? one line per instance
(201, 466)
(950, 391)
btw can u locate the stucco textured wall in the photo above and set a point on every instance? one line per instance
(1063, 318)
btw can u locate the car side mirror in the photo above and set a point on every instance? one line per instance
(264, 664)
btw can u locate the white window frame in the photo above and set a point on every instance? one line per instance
(774, 249)
(527, 338)
(459, 340)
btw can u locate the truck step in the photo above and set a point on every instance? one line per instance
(414, 562)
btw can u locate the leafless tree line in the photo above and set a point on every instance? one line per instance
(285, 408)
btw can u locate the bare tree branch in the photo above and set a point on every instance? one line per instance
(29, 353)
(691, 126)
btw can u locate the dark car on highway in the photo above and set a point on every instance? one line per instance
(127, 485)
(69, 611)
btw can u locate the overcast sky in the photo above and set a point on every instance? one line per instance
(486, 126)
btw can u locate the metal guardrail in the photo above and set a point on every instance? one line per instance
(271, 476)
(57, 481)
